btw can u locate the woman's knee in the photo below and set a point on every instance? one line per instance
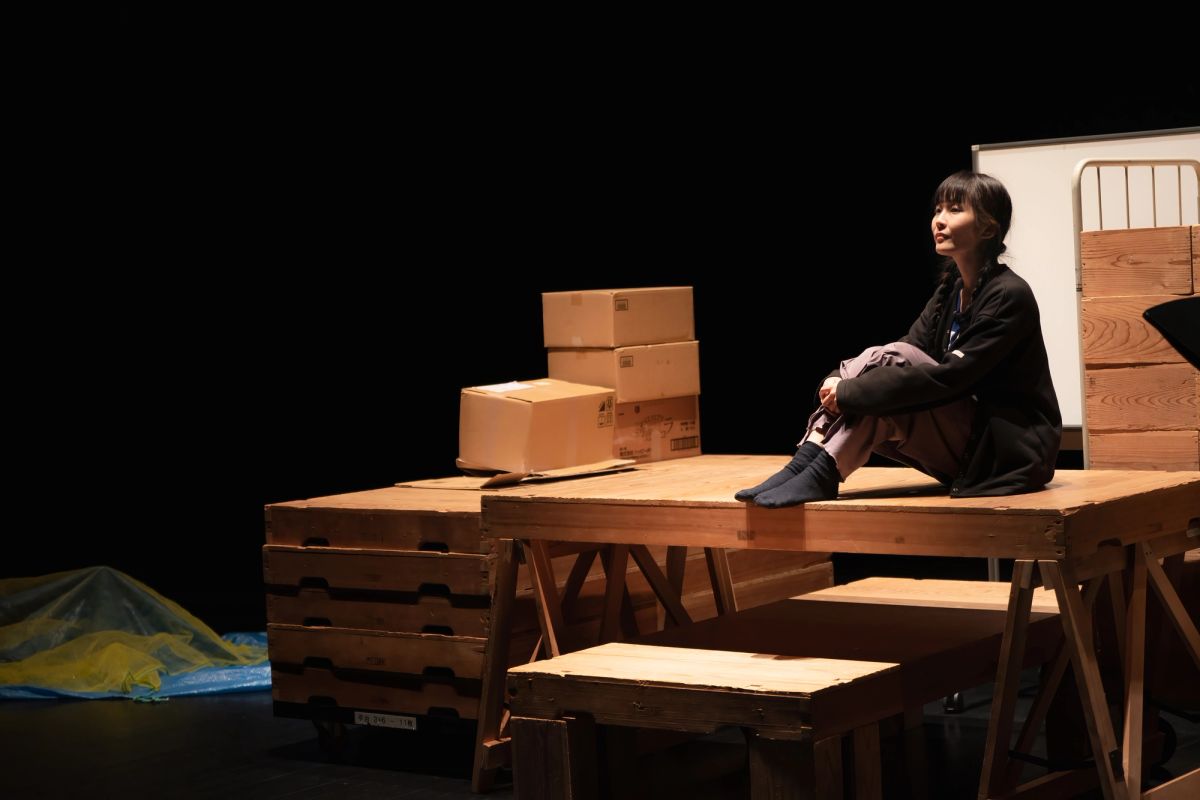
(893, 354)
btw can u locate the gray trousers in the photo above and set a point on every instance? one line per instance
(932, 441)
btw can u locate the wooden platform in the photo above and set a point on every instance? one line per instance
(388, 600)
(796, 669)
(880, 510)
(946, 634)
(1085, 527)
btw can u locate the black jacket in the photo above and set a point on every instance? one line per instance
(999, 358)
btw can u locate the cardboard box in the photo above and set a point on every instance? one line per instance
(535, 425)
(644, 372)
(658, 430)
(618, 317)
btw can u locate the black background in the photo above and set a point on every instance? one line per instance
(317, 227)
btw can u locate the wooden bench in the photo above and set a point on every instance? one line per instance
(793, 710)
(795, 675)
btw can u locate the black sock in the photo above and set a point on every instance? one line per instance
(819, 481)
(807, 452)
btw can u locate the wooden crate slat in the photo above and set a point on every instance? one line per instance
(1148, 450)
(1136, 261)
(389, 693)
(347, 648)
(1162, 398)
(380, 570)
(1115, 334)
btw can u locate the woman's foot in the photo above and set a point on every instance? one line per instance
(807, 452)
(819, 481)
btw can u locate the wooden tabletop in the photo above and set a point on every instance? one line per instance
(716, 669)
(880, 510)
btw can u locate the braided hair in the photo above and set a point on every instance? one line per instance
(988, 198)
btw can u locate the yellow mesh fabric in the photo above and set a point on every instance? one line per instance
(99, 630)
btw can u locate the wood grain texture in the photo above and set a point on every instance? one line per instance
(704, 690)
(940, 649)
(1115, 333)
(346, 648)
(380, 570)
(383, 691)
(1153, 514)
(389, 518)
(1136, 261)
(706, 669)
(1153, 398)
(1145, 450)
(332, 608)
(711, 480)
(689, 502)
(1185, 787)
(1196, 259)
(929, 593)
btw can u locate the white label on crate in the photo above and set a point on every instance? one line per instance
(385, 720)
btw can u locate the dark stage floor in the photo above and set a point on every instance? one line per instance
(232, 745)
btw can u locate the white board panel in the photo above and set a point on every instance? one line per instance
(1041, 241)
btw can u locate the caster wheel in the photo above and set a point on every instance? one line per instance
(331, 736)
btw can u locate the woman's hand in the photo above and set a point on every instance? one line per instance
(828, 395)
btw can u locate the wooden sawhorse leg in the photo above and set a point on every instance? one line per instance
(721, 579)
(1118, 769)
(1008, 679)
(490, 748)
(784, 769)
(554, 759)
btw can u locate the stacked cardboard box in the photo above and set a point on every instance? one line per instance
(641, 343)
(532, 426)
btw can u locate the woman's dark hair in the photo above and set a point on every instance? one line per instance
(988, 198)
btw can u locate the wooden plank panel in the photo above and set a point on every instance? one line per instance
(710, 482)
(554, 759)
(707, 669)
(928, 593)
(382, 570)
(345, 648)
(1196, 259)
(868, 779)
(1142, 519)
(1115, 334)
(786, 770)
(375, 528)
(332, 608)
(1136, 261)
(815, 528)
(384, 692)
(677, 708)
(702, 690)
(940, 650)
(1147, 450)
(1185, 787)
(393, 498)
(698, 479)
(387, 518)
(1152, 398)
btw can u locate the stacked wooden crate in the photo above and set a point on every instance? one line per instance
(379, 602)
(1142, 398)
